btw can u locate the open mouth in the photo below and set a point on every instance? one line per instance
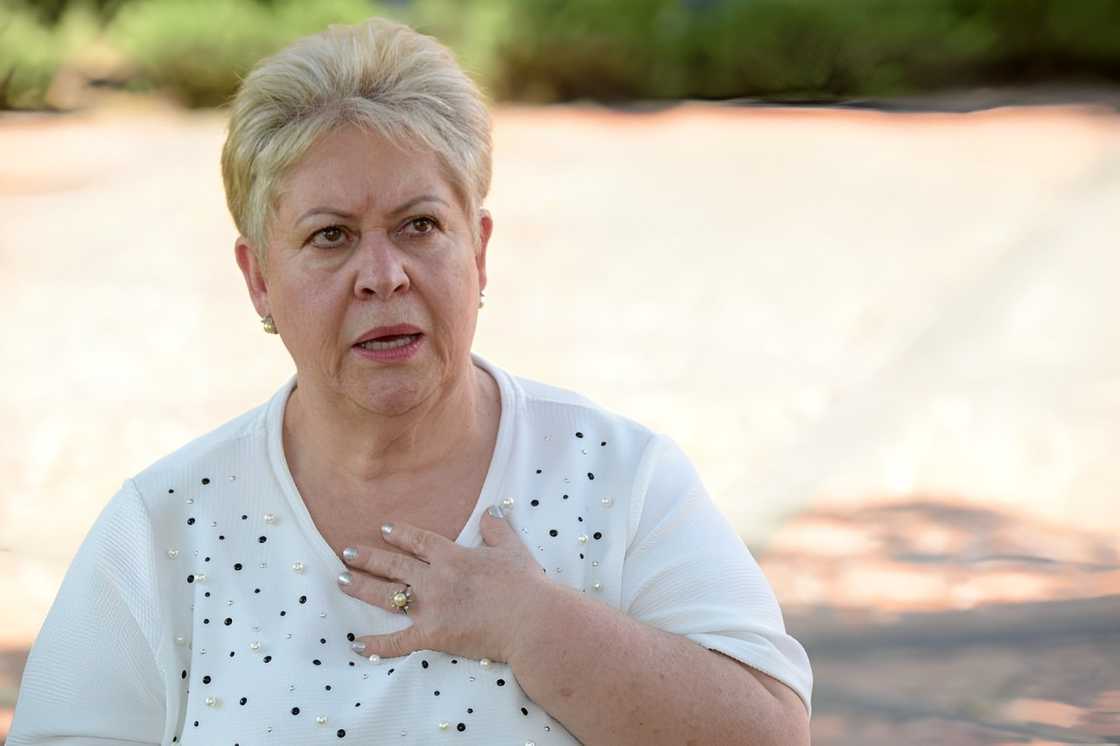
(389, 342)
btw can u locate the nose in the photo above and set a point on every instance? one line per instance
(381, 268)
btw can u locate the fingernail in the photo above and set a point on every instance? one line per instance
(386, 528)
(496, 511)
(345, 578)
(349, 554)
(357, 646)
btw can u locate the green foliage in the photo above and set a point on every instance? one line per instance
(31, 53)
(200, 51)
(549, 50)
(797, 48)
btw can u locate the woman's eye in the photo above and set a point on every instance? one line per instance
(329, 237)
(423, 225)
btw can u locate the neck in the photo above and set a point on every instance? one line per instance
(325, 436)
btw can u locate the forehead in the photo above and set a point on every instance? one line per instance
(359, 171)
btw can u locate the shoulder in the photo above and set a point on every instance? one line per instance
(225, 453)
(568, 415)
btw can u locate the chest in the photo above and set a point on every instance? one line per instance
(441, 503)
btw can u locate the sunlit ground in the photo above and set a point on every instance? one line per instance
(888, 341)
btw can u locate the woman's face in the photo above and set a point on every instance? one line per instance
(367, 235)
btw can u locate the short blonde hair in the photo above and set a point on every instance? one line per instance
(378, 74)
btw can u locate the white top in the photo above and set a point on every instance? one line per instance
(202, 608)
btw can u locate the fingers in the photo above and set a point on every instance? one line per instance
(374, 591)
(417, 541)
(388, 565)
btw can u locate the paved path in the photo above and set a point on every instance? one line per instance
(826, 308)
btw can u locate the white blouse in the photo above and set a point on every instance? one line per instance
(202, 608)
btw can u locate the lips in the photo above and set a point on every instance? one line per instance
(384, 333)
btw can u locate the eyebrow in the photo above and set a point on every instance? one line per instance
(350, 216)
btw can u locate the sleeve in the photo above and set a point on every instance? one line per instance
(92, 675)
(686, 571)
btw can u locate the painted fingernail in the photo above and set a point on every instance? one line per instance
(345, 578)
(496, 511)
(358, 646)
(386, 528)
(349, 554)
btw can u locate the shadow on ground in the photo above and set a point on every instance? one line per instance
(936, 622)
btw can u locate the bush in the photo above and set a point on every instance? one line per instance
(31, 53)
(798, 48)
(558, 50)
(199, 52)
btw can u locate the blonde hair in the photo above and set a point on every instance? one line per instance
(381, 75)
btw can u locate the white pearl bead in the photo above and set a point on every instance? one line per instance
(375, 659)
(443, 725)
(607, 502)
(583, 538)
(229, 603)
(594, 563)
(530, 743)
(269, 517)
(597, 586)
(297, 567)
(507, 503)
(255, 645)
(172, 553)
(190, 501)
(211, 702)
(321, 719)
(200, 578)
(180, 640)
(485, 663)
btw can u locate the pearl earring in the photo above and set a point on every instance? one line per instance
(268, 325)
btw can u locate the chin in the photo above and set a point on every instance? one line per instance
(390, 395)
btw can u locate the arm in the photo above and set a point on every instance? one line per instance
(686, 657)
(91, 677)
(613, 681)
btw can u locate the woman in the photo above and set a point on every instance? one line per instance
(544, 571)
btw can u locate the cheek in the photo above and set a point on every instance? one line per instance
(314, 310)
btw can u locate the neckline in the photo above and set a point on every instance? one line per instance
(469, 536)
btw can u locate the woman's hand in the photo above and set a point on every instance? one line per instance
(466, 601)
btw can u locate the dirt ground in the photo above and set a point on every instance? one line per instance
(889, 341)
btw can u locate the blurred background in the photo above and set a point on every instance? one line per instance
(857, 257)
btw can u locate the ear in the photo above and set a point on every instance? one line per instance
(253, 272)
(485, 228)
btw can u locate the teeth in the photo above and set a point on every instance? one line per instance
(375, 345)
